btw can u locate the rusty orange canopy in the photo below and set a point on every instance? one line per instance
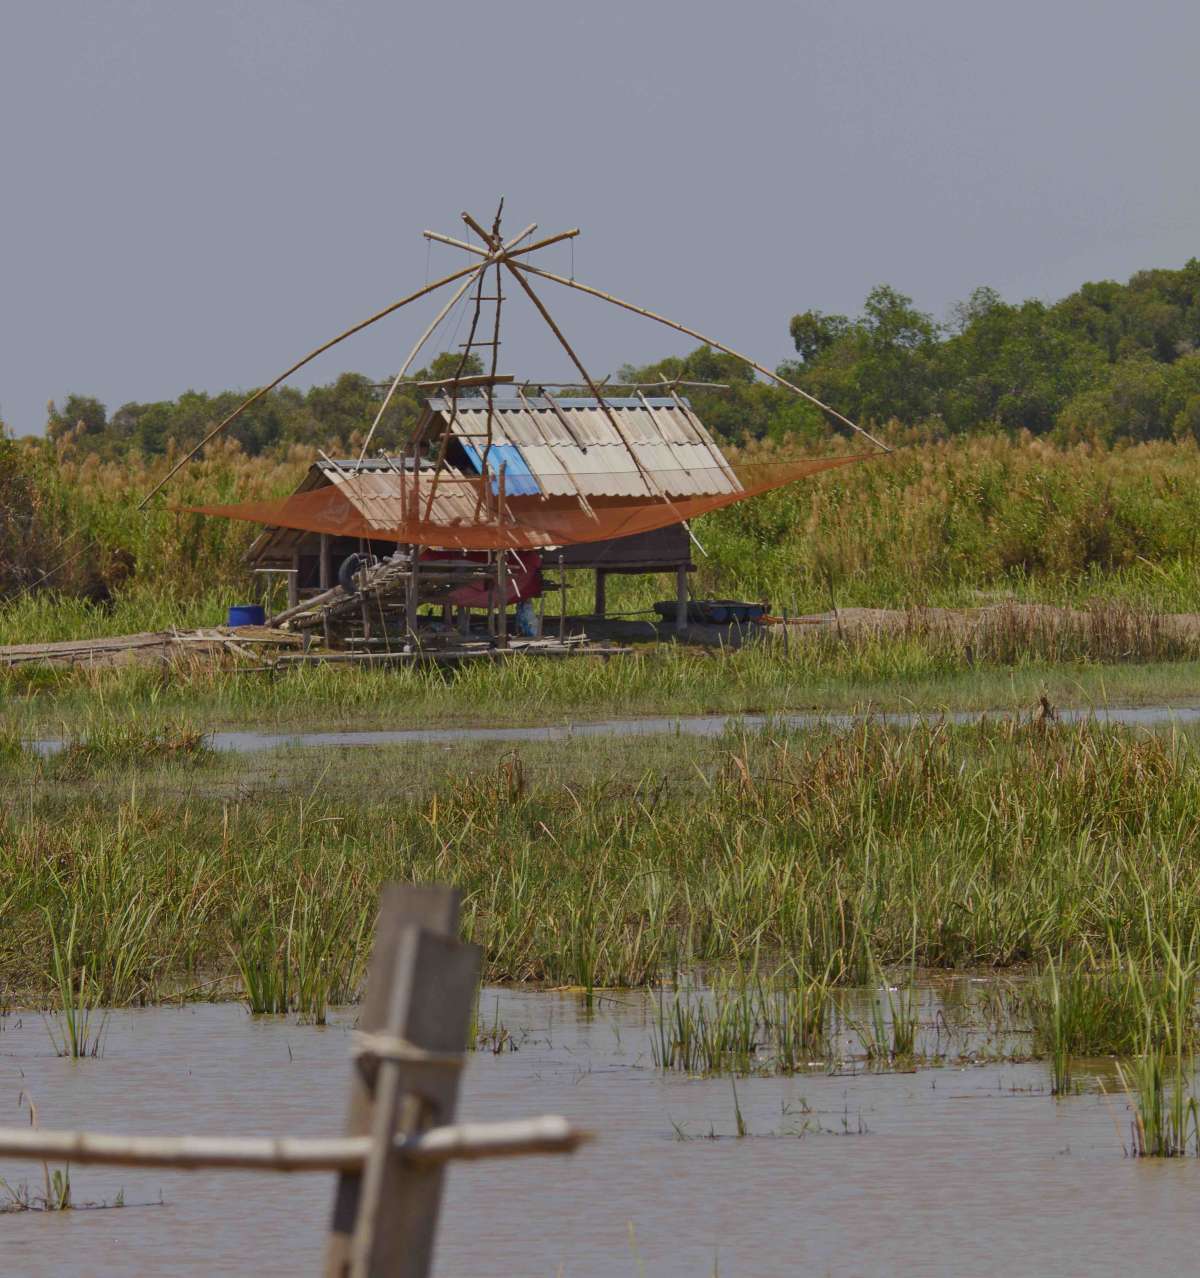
(460, 512)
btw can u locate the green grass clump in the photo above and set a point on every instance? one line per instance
(78, 1026)
(112, 742)
(1160, 1080)
(304, 957)
(746, 1023)
(1079, 1009)
(605, 863)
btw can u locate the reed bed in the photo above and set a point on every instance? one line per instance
(936, 522)
(937, 847)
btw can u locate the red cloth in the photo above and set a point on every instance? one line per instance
(524, 577)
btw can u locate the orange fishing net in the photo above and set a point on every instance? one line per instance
(462, 512)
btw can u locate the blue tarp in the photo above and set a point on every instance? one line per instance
(518, 478)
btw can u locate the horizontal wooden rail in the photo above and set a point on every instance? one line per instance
(549, 1134)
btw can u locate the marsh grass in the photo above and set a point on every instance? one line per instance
(77, 1025)
(113, 742)
(618, 863)
(304, 956)
(1006, 656)
(746, 1023)
(888, 1033)
(1160, 1080)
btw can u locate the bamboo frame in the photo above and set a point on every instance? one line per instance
(700, 337)
(549, 1134)
(320, 350)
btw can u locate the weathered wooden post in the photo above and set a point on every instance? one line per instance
(413, 1032)
(681, 599)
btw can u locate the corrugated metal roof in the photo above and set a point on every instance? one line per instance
(378, 495)
(571, 445)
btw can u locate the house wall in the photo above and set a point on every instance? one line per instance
(662, 548)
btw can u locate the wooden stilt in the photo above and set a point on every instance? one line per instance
(562, 600)
(412, 596)
(681, 599)
(501, 563)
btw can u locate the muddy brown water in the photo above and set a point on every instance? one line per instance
(957, 1170)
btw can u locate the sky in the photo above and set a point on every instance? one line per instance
(194, 195)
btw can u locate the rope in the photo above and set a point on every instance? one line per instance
(393, 1047)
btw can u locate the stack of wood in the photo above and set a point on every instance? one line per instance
(154, 647)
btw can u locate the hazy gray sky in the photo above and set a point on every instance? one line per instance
(193, 194)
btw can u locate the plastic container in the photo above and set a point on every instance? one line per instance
(247, 615)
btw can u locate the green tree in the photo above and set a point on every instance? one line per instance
(80, 413)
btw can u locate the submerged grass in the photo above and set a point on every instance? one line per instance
(745, 1023)
(305, 957)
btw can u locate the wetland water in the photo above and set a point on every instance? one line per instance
(959, 1169)
(715, 725)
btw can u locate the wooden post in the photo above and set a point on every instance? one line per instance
(412, 597)
(681, 599)
(326, 579)
(414, 1020)
(601, 579)
(501, 565)
(502, 597)
(562, 601)
(294, 580)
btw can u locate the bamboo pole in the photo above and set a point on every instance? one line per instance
(441, 315)
(548, 1134)
(502, 565)
(320, 350)
(482, 252)
(652, 487)
(412, 355)
(700, 337)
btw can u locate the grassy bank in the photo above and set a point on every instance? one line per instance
(1108, 655)
(601, 863)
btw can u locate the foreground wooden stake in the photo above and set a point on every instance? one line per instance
(419, 993)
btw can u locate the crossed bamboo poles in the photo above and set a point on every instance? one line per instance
(512, 256)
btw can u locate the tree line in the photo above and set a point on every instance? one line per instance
(1110, 362)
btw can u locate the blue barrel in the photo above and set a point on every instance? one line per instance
(246, 615)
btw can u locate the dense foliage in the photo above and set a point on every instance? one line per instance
(322, 417)
(1109, 362)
